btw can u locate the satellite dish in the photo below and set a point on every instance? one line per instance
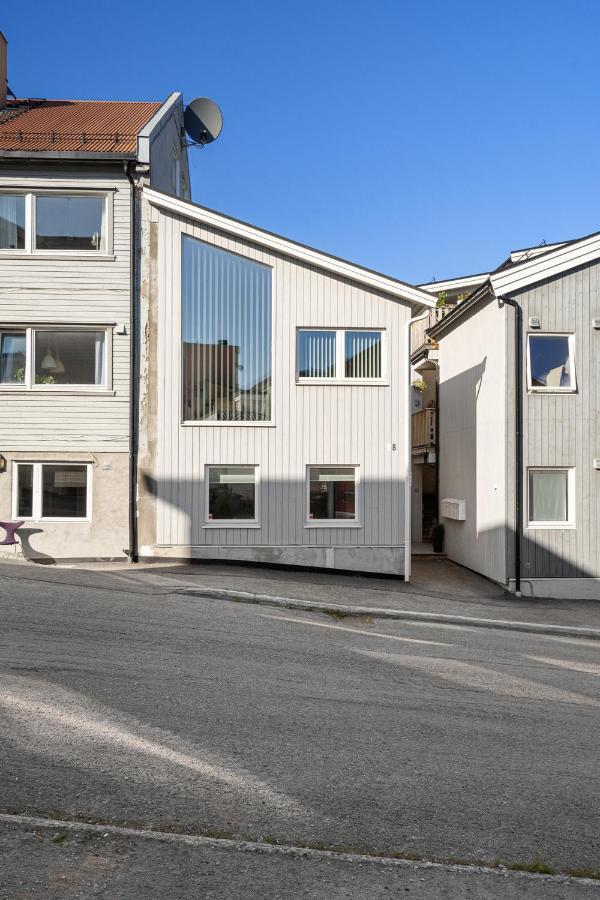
(202, 120)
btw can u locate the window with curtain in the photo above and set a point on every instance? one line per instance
(69, 357)
(74, 357)
(551, 365)
(344, 355)
(12, 222)
(13, 357)
(549, 497)
(332, 493)
(226, 336)
(231, 494)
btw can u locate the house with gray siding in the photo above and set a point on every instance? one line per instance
(274, 398)
(70, 172)
(519, 414)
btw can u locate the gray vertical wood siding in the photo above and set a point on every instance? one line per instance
(562, 429)
(312, 424)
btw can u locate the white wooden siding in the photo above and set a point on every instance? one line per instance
(70, 291)
(313, 424)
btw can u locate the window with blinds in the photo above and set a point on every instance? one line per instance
(226, 336)
(340, 355)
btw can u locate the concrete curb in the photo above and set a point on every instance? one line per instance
(382, 613)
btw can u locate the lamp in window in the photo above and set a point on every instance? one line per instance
(48, 362)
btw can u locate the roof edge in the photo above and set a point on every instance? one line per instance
(289, 247)
(155, 124)
(460, 309)
(546, 265)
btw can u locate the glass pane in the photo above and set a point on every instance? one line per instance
(24, 491)
(64, 492)
(12, 222)
(231, 493)
(548, 500)
(363, 354)
(69, 357)
(549, 360)
(332, 493)
(226, 332)
(316, 354)
(13, 353)
(68, 223)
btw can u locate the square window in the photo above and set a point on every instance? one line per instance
(332, 494)
(316, 354)
(12, 222)
(362, 354)
(13, 357)
(69, 222)
(550, 497)
(551, 363)
(231, 494)
(69, 357)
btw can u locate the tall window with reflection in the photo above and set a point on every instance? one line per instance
(226, 336)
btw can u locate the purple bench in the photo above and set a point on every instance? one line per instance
(10, 529)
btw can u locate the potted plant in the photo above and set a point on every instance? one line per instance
(437, 537)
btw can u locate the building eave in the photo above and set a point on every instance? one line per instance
(450, 320)
(547, 265)
(155, 125)
(291, 248)
(64, 154)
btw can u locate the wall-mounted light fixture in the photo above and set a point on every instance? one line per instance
(2, 463)
(534, 322)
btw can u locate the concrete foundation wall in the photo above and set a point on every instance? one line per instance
(385, 560)
(104, 537)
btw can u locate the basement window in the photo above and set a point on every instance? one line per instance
(551, 363)
(52, 491)
(231, 497)
(332, 494)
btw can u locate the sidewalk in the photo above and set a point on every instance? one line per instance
(438, 587)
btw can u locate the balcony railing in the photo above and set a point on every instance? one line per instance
(423, 430)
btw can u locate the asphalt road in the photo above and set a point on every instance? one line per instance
(122, 701)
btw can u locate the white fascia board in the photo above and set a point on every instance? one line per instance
(155, 124)
(289, 248)
(531, 252)
(472, 281)
(555, 262)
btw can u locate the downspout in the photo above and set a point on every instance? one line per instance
(408, 452)
(518, 435)
(132, 551)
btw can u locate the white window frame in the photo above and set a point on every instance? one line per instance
(340, 349)
(333, 523)
(539, 389)
(552, 526)
(36, 511)
(105, 251)
(29, 385)
(232, 523)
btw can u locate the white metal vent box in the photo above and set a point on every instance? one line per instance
(453, 509)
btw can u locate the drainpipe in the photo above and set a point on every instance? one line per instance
(132, 551)
(518, 435)
(408, 453)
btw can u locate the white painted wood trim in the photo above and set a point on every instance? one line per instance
(289, 248)
(156, 124)
(555, 262)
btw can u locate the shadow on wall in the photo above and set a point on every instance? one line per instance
(29, 552)
(285, 534)
(474, 464)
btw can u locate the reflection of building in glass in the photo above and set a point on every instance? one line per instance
(211, 385)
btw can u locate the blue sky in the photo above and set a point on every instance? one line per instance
(424, 140)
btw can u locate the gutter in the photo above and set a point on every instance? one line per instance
(408, 453)
(132, 550)
(518, 435)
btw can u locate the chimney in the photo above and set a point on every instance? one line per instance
(3, 70)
